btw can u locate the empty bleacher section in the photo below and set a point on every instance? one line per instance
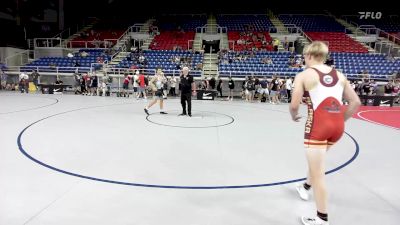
(388, 23)
(168, 60)
(172, 40)
(68, 64)
(176, 31)
(353, 64)
(316, 23)
(325, 28)
(338, 42)
(244, 22)
(249, 65)
(177, 22)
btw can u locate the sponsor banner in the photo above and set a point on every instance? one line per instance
(53, 88)
(377, 100)
(205, 95)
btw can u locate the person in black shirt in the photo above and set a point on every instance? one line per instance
(187, 87)
(231, 85)
(212, 83)
(35, 78)
(219, 87)
(274, 86)
(388, 89)
(250, 89)
(59, 81)
(366, 87)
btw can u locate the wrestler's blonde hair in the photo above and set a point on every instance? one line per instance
(317, 49)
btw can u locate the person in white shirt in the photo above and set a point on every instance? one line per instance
(23, 82)
(136, 83)
(103, 87)
(289, 86)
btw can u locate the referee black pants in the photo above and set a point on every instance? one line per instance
(186, 97)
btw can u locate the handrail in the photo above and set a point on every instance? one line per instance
(44, 69)
(27, 52)
(266, 73)
(119, 72)
(233, 44)
(60, 35)
(115, 54)
(301, 14)
(388, 36)
(189, 41)
(101, 43)
(242, 14)
(305, 35)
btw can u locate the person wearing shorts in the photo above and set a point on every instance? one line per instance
(157, 84)
(250, 89)
(274, 86)
(263, 91)
(141, 87)
(125, 86)
(3, 79)
(324, 88)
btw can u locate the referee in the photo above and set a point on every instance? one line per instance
(187, 87)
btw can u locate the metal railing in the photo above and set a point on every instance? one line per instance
(47, 69)
(58, 40)
(21, 58)
(235, 73)
(47, 42)
(204, 29)
(367, 30)
(305, 35)
(390, 37)
(120, 72)
(64, 34)
(290, 28)
(233, 45)
(106, 43)
(190, 47)
(115, 54)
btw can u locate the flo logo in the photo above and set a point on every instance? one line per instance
(372, 15)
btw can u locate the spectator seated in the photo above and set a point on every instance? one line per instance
(82, 60)
(249, 40)
(244, 63)
(170, 61)
(376, 64)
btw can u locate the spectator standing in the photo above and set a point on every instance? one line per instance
(3, 80)
(35, 78)
(289, 86)
(173, 86)
(219, 87)
(212, 83)
(274, 87)
(231, 85)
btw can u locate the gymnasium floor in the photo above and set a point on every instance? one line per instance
(84, 160)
